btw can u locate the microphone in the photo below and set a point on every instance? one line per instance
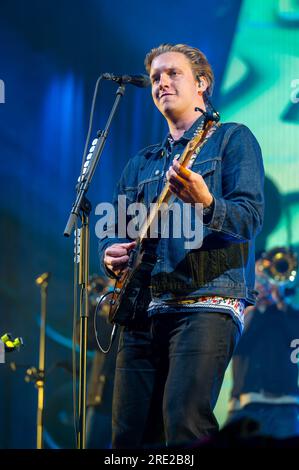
(138, 80)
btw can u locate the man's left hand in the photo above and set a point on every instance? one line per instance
(188, 185)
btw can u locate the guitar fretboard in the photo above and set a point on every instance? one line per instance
(194, 145)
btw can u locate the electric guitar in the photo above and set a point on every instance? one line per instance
(131, 291)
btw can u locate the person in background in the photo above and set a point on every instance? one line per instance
(265, 376)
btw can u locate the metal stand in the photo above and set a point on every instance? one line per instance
(83, 207)
(83, 282)
(39, 375)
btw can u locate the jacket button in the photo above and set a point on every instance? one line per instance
(157, 172)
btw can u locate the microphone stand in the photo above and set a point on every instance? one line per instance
(39, 378)
(83, 207)
(33, 374)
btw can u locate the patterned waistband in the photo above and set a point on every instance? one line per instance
(238, 305)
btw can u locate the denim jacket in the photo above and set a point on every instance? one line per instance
(231, 165)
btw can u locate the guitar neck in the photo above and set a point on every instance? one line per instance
(194, 145)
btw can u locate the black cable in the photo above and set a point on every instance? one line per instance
(114, 329)
(90, 123)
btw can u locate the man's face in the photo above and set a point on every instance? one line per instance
(174, 88)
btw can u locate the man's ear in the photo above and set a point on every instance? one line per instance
(202, 83)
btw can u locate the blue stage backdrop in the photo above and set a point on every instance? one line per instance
(51, 54)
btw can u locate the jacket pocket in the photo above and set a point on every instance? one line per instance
(149, 190)
(131, 194)
(205, 167)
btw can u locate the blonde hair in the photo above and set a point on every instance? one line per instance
(198, 61)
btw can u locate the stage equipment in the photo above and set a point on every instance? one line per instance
(81, 210)
(279, 265)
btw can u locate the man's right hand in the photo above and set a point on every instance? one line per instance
(117, 256)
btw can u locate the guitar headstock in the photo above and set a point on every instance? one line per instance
(195, 143)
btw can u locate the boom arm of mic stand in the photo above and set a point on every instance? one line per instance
(84, 185)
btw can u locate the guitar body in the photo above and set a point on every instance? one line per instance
(131, 295)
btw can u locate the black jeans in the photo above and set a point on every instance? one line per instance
(168, 378)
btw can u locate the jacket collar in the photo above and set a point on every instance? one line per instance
(161, 147)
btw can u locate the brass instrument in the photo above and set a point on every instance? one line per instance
(279, 265)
